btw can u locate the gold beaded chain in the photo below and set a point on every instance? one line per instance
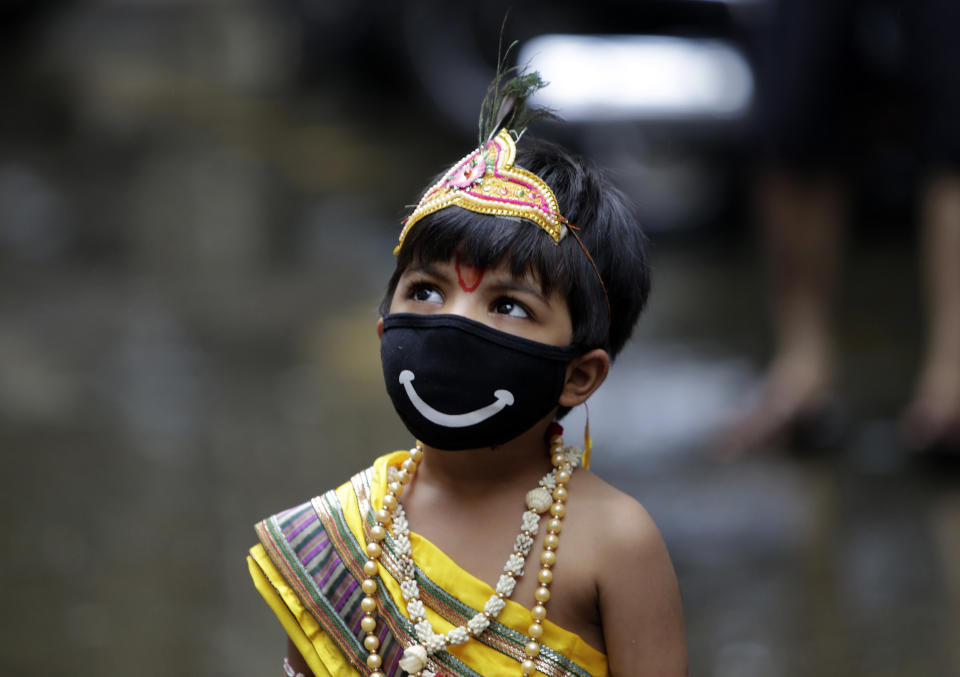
(374, 550)
(548, 557)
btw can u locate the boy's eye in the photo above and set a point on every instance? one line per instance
(426, 294)
(507, 306)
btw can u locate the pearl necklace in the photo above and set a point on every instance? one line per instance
(550, 494)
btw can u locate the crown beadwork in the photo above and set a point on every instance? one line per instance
(487, 182)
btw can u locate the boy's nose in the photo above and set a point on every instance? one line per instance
(467, 305)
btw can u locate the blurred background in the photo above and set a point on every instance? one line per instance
(198, 203)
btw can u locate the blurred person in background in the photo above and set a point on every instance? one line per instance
(836, 76)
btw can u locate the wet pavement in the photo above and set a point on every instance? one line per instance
(187, 344)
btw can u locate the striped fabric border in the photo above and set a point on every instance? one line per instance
(304, 551)
(351, 554)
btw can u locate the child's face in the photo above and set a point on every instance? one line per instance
(492, 296)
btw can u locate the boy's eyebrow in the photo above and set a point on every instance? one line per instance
(430, 270)
(512, 284)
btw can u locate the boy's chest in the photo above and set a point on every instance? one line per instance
(481, 543)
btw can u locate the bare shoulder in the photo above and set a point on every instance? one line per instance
(626, 524)
(638, 596)
(619, 531)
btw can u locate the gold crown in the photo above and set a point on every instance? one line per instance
(486, 182)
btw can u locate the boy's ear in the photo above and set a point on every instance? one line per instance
(380, 327)
(584, 375)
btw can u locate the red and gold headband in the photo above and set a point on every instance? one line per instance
(487, 182)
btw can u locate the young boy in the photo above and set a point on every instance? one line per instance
(519, 276)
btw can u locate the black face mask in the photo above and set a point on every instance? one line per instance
(459, 384)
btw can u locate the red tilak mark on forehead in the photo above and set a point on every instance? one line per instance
(468, 276)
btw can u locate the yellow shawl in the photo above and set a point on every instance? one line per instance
(307, 567)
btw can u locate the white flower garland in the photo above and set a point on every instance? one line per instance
(430, 640)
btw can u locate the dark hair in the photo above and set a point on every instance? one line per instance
(606, 226)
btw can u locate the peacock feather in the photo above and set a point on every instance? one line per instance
(505, 104)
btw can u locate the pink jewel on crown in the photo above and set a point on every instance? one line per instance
(470, 172)
(487, 182)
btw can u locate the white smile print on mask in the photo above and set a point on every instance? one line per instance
(504, 398)
(460, 364)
